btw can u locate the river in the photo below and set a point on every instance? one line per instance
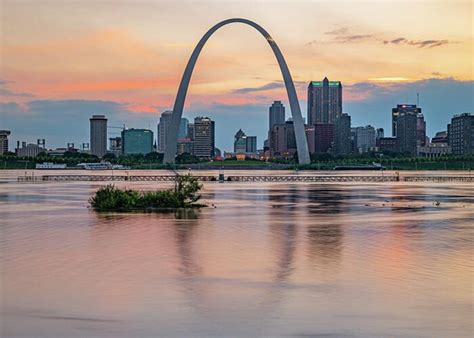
(390, 259)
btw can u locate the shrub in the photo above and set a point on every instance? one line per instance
(184, 195)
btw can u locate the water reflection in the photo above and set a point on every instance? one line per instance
(268, 260)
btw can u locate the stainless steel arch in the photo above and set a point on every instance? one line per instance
(300, 135)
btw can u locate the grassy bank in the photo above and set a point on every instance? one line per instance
(185, 194)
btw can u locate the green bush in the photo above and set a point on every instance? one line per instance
(184, 195)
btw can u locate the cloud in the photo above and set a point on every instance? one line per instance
(338, 31)
(4, 91)
(7, 92)
(418, 43)
(344, 35)
(268, 86)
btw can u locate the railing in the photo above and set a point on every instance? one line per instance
(247, 178)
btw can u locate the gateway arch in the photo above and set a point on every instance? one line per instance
(300, 135)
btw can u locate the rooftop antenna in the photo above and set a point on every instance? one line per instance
(417, 99)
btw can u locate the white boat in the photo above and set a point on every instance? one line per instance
(95, 166)
(50, 165)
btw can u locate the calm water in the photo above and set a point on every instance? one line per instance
(294, 260)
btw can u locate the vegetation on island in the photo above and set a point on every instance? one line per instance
(185, 194)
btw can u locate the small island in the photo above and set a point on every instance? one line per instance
(185, 194)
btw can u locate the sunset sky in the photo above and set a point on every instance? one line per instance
(62, 61)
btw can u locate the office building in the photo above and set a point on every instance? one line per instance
(421, 131)
(190, 134)
(379, 133)
(204, 137)
(323, 137)
(98, 135)
(461, 134)
(364, 138)
(282, 141)
(440, 137)
(407, 133)
(162, 130)
(183, 128)
(251, 144)
(342, 135)
(240, 142)
(137, 141)
(244, 144)
(387, 144)
(276, 114)
(324, 101)
(115, 146)
(185, 145)
(403, 109)
(4, 141)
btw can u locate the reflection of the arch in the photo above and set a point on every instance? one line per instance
(207, 294)
(323, 206)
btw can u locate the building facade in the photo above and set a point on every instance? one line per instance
(407, 109)
(244, 144)
(204, 137)
(115, 145)
(276, 114)
(4, 141)
(185, 145)
(162, 130)
(282, 141)
(387, 144)
(461, 134)
(98, 135)
(433, 150)
(364, 138)
(251, 144)
(240, 142)
(183, 128)
(323, 137)
(28, 150)
(324, 101)
(137, 141)
(407, 133)
(342, 135)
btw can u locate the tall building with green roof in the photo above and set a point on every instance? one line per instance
(324, 101)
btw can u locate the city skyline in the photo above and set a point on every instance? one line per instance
(129, 80)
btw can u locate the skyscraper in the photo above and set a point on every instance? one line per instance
(276, 114)
(403, 109)
(244, 144)
(204, 137)
(461, 134)
(163, 127)
(240, 142)
(342, 135)
(98, 135)
(183, 128)
(251, 144)
(407, 133)
(324, 101)
(4, 141)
